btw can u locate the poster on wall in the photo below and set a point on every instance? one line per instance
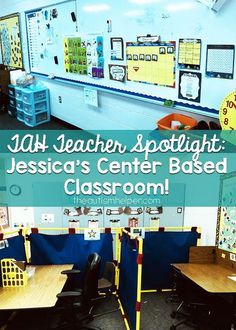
(220, 61)
(117, 72)
(226, 225)
(11, 41)
(151, 63)
(189, 54)
(117, 49)
(75, 59)
(190, 86)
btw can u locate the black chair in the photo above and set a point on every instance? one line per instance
(106, 284)
(77, 305)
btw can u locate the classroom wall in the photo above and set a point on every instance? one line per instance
(114, 111)
(205, 217)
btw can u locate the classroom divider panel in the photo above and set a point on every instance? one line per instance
(69, 249)
(160, 250)
(130, 272)
(13, 247)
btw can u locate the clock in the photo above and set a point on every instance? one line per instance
(227, 112)
(15, 190)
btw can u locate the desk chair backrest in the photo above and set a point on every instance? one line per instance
(90, 286)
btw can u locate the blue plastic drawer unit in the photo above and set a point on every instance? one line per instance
(34, 95)
(36, 119)
(31, 104)
(20, 115)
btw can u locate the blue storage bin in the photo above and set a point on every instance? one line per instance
(11, 90)
(20, 114)
(11, 111)
(19, 104)
(36, 107)
(36, 119)
(12, 101)
(18, 93)
(34, 95)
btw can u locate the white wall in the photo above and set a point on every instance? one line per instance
(204, 217)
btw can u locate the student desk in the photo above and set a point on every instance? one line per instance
(40, 291)
(213, 278)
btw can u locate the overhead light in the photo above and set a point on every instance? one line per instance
(134, 13)
(180, 6)
(96, 8)
(144, 2)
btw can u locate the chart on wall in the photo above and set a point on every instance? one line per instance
(11, 41)
(46, 30)
(189, 54)
(227, 215)
(151, 63)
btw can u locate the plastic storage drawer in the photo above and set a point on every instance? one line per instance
(37, 107)
(34, 120)
(32, 96)
(19, 104)
(18, 93)
(11, 90)
(11, 111)
(12, 101)
(20, 114)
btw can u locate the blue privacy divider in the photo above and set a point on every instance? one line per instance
(128, 279)
(160, 250)
(14, 248)
(69, 249)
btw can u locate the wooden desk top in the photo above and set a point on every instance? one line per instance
(211, 277)
(40, 292)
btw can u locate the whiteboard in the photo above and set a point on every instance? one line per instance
(128, 19)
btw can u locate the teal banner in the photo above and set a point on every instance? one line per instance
(117, 168)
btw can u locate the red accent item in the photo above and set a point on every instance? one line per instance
(194, 229)
(71, 231)
(1, 236)
(34, 230)
(138, 306)
(162, 229)
(140, 259)
(107, 230)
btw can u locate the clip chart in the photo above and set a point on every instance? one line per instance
(11, 41)
(189, 54)
(220, 61)
(151, 63)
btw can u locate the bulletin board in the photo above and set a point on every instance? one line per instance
(11, 41)
(226, 224)
(123, 26)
